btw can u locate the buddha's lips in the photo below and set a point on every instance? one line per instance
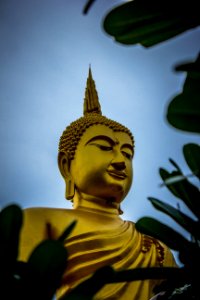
(117, 174)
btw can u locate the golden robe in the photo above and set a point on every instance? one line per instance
(122, 247)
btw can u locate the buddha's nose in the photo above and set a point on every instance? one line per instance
(119, 166)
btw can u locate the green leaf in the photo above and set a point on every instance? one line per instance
(150, 23)
(190, 258)
(47, 264)
(11, 219)
(191, 67)
(148, 273)
(82, 291)
(175, 164)
(193, 227)
(184, 109)
(87, 6)
(192, 156)
(106, 275)
(87, 289)
(67, 232)
(188, 251)
(174, 179)
(184, 190)
(162, 232)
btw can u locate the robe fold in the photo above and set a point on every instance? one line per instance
(122, 248)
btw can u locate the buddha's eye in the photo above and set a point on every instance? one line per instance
(127, 155)
(102, 147)
(105, 148)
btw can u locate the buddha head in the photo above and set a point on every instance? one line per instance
(95, 153)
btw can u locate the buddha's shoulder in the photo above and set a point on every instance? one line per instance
(45, 210)
(46, 221)
(49, 213)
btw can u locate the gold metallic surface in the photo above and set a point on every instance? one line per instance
(92, 116)
(98, 176)
(91, 101)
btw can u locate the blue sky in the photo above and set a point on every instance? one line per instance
(45, 51)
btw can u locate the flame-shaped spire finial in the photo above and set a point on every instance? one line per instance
(91, 101)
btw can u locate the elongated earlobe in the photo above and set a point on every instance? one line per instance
(120, 211)
(70, 188)
(64, 166)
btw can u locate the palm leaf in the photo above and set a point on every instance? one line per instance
(162, 232)
(46, 265)
(192, 156)
(11, 219)
(150, 23)
(183, 189)
(193, 227)
(184, 109)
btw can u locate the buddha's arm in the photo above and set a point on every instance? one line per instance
(34, 230)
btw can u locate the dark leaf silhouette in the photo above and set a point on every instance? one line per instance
(11, 219)
(150, 22)
(87, 289)
(47, 264)
(192, 156)
(184, 109)
(184, 190)
(192, 226)
(162, 232)
(87, 6)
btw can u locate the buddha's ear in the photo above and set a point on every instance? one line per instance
(64, 164)
(64, 167)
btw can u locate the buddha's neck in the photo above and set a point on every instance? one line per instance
(91, 203)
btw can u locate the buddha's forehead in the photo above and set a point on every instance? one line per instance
(100, 130)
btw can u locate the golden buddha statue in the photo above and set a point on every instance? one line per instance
(95, 160)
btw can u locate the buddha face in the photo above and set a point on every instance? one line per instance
(102, 166)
